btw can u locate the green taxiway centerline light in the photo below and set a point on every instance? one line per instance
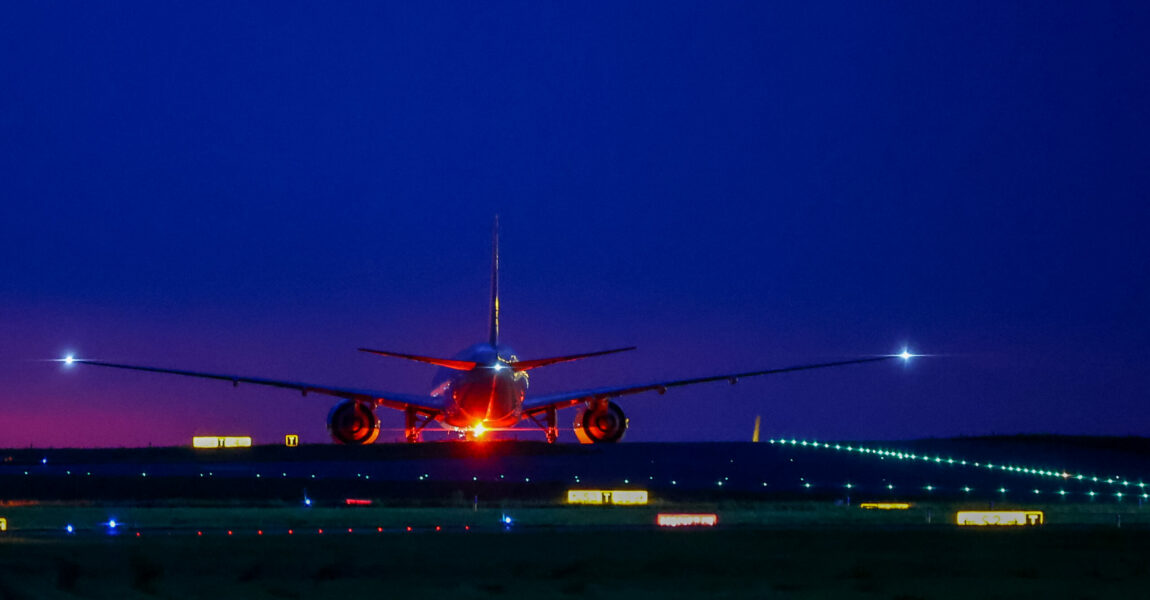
(938, 460)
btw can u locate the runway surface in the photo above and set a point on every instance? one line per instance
(1043, 468)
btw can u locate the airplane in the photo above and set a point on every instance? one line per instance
(484, 388)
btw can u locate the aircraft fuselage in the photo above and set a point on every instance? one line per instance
(489, 396)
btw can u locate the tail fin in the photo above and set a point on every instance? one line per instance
(493, 331)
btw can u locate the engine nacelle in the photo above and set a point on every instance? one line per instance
(352, 423)
(601, 424)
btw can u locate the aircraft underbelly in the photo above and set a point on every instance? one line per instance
(488, 400)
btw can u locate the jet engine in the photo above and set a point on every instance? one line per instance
(601, 423)
(352, 423)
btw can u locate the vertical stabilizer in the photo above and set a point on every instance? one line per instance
(494, 325)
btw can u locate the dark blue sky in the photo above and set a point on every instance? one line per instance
(261, 189)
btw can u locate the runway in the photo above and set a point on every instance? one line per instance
(1099, 470)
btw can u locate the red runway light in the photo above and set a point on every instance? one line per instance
(686, 520)
(409, 528)
(260, 532)
(199, 533)
(380, 529)
(229, 532)
(437, 527)
(137, 534)
(321, 532)
(290, 532)
(467, 528)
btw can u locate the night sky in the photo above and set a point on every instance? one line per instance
(260, 189)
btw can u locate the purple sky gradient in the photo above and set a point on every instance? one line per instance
(260, 190)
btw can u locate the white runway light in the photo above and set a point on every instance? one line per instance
(905, 355)
(68, 360)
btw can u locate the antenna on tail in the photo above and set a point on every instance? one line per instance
(494, 325)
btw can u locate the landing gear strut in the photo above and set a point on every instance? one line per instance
(549, 423)
(552, 426)
(413, 425)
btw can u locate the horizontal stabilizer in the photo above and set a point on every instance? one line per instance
(527, 365)
(458, 365)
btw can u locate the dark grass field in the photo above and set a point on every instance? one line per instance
(781, 563)
(36, 518)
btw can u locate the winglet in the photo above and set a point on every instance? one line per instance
(493, 337)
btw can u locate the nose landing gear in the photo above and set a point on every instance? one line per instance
(549, 423)
(413, 425)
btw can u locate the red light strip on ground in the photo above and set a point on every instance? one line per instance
(687, 520)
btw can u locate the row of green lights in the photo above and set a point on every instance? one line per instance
(967, 489)
(901, 455)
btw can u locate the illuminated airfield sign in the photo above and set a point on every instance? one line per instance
(616, 497)
(221, 441)
(885, 505)
(995, 518)
(686, 520)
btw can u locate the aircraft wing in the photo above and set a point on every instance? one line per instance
(424, 404)
(566, 399)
